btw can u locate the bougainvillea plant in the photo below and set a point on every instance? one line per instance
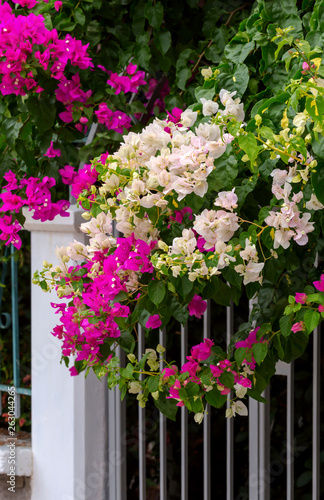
(176, 194)
(222, 200)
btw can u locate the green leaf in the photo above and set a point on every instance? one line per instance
(180, 313)
(304, 478)
(232, 276)
(267, 132)
(224, 173)
(311, 319)
(234, 80)
(185, 286)
(316, 297)
(156, 291)
(227, 379)
(192, 389)
(211, 288)
(43, 285)
(126, 341)
(153, 383)
(43, 111)
(183, 76)
(259, 352)
(213, 53)
(238, 52)
(128, 371)
(285, 324)
(168, 407)
(250, 146)
(163, 41)
(79, 17)
(294, 346)
(215, 398)
(317, 179)
(223, 295)
(205, 93)
(154, 14)
(27, 156)
(10, 127)
(239, 355)
(143, 56)
(252, 393)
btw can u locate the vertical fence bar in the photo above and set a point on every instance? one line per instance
(112, 458)
(229, 421)
(207, 419)
(184, 422)
(121, 440)
(15, 329)
(141, 427)
(254, 433)
(162, 431)
(6, 315)
(316, 476)
(290, 431)
(117, 480)
(264, 451)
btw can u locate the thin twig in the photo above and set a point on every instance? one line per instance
(156, 92)
(234, 12)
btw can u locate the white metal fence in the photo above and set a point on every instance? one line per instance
(261, 468)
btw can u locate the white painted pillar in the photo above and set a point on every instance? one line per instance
(69, 424)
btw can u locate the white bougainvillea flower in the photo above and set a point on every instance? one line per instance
(209, 107)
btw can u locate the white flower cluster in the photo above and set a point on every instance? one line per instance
(165, 160)
(287, 219)
(216, 229)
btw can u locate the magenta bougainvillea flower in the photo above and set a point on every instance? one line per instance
(51, 152)
(153, 321)
(319, 285)
(197, 306)
(301, 298)
(298, 327)
(58, 5)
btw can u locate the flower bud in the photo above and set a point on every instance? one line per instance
(134, 387)
(258, 119)
(199, 418)
(160, 348)
(155, 395)
(207, 72)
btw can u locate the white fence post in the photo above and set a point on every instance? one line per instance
(69, 429)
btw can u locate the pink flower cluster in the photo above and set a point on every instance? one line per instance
(248, 344)
(114, 120)
(32, 192)
(302, 298)
(19, 35)
(80, 180)
(91, 318)
(159, 102)
(81, 335)
(126, 84)
(226, 366)
(69, 92)
(200, 353)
